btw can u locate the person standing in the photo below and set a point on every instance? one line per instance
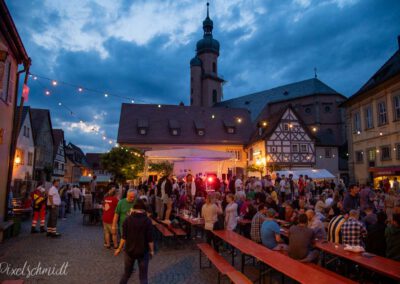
(76, 197)
(210, 212)
(166, 188)
(231, 213)
(93, 185)
(54, 202)
(110, 202)
(351, 199)
(122, 211)
(137, 236)
(38, 197)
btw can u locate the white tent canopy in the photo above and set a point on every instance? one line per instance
(312, 173)
(188, 155)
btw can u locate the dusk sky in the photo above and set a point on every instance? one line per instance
(141, 50)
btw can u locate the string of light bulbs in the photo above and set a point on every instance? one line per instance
(74, 114)
(80, 89)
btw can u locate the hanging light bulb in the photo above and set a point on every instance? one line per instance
(47, 93)
(106, 95)
(60, 104)
(80, 89)
(54, 83)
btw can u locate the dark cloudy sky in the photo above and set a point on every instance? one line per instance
(142, 48)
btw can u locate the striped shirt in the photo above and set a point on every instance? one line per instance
(334, 227)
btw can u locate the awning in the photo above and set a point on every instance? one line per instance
(385, 170)
(188, 155)
(312, 173)
(99, 179)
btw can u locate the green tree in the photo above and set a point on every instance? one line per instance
(256, 168)
(123, 163)
(163, 168)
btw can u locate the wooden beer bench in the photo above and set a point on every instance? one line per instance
(221, 264)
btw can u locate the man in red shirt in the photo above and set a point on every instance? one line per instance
(110, 202)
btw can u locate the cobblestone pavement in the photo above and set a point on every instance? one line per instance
(89, 262)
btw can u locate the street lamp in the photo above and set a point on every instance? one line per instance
(17, 160)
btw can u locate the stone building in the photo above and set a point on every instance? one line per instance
(373, 125)
(12, 54)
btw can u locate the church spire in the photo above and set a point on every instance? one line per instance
(208, 23)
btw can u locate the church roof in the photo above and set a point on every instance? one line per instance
(190, 121)
(256, 102)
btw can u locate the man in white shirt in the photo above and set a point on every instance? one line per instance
(76, 197)
(53, 201)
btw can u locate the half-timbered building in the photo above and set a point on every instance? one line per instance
(289, 143)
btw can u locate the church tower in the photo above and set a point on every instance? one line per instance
(205, 85)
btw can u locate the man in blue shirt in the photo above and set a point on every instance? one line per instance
(271, 232)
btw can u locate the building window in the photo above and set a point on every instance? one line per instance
(327, 109)
(397, 149)
(214, 67)
(382, 116)
(303, 148)
(356, 122)
(295, 148)
(359, 156)
(142, 131)
(328, 153)
(369, 122)
(385, 153)
(175, 132)
(5, 74)
(286, 126)
(371, 154)
(56, 165)
(307, 110)
(62, 167)
(396, 106)
(237, 154)
(200, 132)
(30, 158)
(230, 130)
(273, 149)
(214, 96)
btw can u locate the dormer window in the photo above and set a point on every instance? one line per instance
(230, 126)
(143, 126)
(230, 130)
(174, 127)
(199, 127)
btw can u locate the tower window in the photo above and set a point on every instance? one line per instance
(214, 96)
(214, 67)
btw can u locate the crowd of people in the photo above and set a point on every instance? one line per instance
(355, 215)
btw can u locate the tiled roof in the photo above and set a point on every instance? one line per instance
(256, 102)
(388, 70)
(25, 111)
(38, 116)
(188, 119)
